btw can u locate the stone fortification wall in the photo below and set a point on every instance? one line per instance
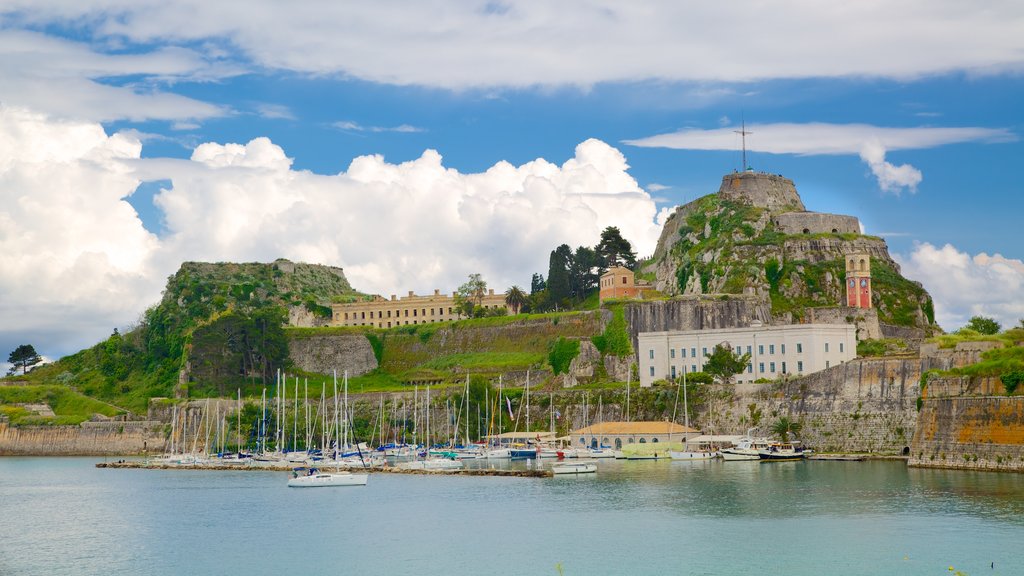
(695, 313)
(859, 406)
(976, 433)
(302, 317)
(816, 223)
(822, 249)
(89, 439)
(866, 320)
(323, 353)
(770, 191)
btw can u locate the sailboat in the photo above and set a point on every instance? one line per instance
(702, 453)
(313, 477)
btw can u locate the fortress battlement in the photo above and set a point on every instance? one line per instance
(771, 191)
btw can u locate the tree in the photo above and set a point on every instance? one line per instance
(515, 298)
(583, 275)
(558, 286)
(24, 357)
(537, 284)
(784, 427)
(614, 250)
(723, 363)
(471, 294)
(983, 325)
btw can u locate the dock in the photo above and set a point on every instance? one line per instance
(143, 465)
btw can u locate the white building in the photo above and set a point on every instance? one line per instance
(794, 349)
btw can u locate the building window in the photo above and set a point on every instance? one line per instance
(750, 367)
(760, 349)
(414, 312)
(772, 366)
(783, 367)
(672, 352)
(704, 351)
(693, 368)
(652, 370)
(771, 348)
(449, 309)
(840, 347)
(799, 365)
(739, 350)
(826, 363)
(799, 348)
(623, 279)
(363, 314)
(673, 372)
(782, 350)
(652, 353)
(683, 352)
(826, 346)
(760, 367)
(346, 315)
(407, 314)
(643, 441)
(693, 352)
(748, 350)
(424, 311)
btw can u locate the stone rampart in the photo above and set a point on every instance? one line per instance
(322, 354)
(975, 433)
(866, 320)
(816, 223)
(695, 313)
(89, 439)
(769, 191)
(860, 406)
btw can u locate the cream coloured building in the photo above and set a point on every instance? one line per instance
(405, 311)
(618, 434)
(793, 349)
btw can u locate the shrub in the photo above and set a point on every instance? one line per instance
(1011, 380)
(561, 354)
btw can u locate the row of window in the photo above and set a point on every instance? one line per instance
(739, 350)
(397, 323)
(750, 368)
(398, 313)
(618, 442)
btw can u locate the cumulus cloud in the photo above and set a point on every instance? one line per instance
(891, 178)
(468, 44)
(963, 285)
(76, 260)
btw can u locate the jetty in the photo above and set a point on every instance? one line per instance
(143, 465)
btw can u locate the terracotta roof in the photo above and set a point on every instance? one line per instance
(656, 427)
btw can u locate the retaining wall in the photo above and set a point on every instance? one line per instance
(88, 439)
(974, 433)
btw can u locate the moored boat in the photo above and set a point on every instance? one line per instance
(747, 448)
(578, 467)
(314, 478)
(782, 451)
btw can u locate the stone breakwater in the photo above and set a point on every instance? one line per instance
(372, 469)
(87, 439)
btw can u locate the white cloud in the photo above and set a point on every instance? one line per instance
(821, 138)
(66, 78)
(891, 178)
(869, 142)
(274, 111)
(963, 285)
(351, 126)
(75, 260)
(655, 187)
(464, 44)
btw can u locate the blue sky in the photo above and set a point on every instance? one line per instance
(416, 143)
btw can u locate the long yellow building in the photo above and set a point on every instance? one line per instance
(407, 310)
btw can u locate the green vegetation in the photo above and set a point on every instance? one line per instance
(983, 325)
(615, 339)
(69, 406)
(491, 361)
(23, 357)
(723, 364)
(785, 426)
(562, 353)
(1011, 380)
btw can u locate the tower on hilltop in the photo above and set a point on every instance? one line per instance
(858, 280)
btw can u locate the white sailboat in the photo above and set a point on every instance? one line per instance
(702, 452)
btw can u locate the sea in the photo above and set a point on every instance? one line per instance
(65, 516)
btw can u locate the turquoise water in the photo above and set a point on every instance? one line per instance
(64, 516)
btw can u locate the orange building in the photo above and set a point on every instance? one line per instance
(620, 282)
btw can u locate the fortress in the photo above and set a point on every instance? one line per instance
(778, 195)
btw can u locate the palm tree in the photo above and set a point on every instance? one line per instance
(784, 427)
(515, 298)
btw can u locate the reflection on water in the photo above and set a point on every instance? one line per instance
(645, 517)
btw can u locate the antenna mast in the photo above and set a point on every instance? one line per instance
(743, 133)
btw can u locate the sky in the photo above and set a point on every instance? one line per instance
(416, 143)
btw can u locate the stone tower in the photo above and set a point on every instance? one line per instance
(858, 280)
(771, 191)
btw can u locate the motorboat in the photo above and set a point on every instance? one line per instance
(315, 478)
(782, 451)
(747, 448)
(693, 454)
(604, 453)
(431, 464)
(577, 467)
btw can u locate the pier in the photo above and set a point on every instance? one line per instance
(143, 465)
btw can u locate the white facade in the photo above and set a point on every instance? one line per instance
(795, 349)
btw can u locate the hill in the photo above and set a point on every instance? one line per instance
(754, 237)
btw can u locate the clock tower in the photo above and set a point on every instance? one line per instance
(858, 280)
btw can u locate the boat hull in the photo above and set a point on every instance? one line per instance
(328, 479)
(574, 468)
(689, 455)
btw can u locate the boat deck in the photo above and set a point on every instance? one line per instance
(137, 464)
